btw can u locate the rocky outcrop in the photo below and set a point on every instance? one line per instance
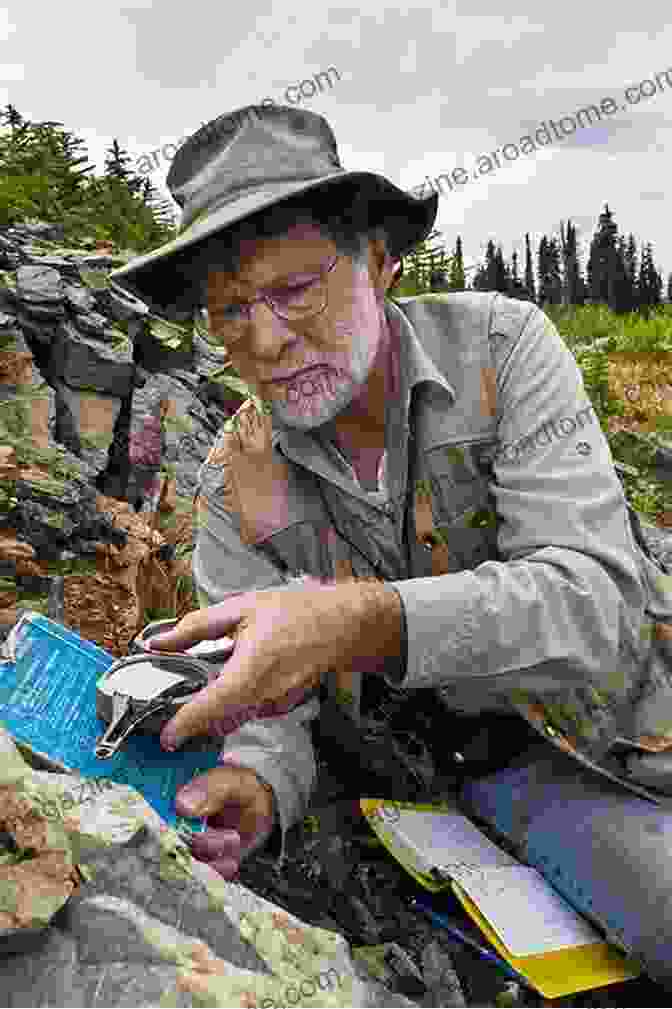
(106, 413)
(106, 367)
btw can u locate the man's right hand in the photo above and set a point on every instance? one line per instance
(239, 809)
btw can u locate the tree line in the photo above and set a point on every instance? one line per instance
(617, 273)
(45, 174)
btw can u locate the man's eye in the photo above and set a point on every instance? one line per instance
(228, 313)
(290, 289)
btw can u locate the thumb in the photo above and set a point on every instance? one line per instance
(209, 793)
(230, 798)
(199, 716)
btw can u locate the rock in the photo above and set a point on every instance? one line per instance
(39, 285)
(56, 603)
(440, 976)
(91, 341)
(80, 298)
(82, 361)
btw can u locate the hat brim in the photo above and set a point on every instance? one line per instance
(154, 278)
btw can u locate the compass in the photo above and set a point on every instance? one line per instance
(144, 690)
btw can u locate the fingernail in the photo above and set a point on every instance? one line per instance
(193, 799)
(170, 740)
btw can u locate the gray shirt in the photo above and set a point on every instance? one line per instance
(499, 520)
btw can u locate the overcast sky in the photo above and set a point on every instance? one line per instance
(422, 92)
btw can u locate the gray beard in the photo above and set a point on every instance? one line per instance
(328, 406)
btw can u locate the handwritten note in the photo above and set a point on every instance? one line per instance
(449, 841)
(525, 911)
(522, 907)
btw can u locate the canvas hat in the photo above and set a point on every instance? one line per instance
(244, 162)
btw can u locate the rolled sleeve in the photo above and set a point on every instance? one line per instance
(564, 603)
(395, 669)
(280, 751)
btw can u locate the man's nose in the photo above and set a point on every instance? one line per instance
(268, 336)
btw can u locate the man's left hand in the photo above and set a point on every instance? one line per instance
(286, 640)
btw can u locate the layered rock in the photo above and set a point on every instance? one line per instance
(106, 411)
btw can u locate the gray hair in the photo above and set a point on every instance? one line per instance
(349, 222)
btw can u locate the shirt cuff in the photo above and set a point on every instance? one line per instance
(395, 669)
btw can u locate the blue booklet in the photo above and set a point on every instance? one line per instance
(48, 705)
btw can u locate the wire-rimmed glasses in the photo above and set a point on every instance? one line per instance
(290, 303)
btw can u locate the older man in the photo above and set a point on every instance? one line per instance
(420, 491)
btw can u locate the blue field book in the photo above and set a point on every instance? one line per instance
(48, 704)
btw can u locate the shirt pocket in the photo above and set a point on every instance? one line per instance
(460, 478)
(300, 544)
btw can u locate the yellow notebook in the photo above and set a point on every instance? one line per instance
(529, 924)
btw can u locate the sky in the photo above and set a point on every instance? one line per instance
(419, 93)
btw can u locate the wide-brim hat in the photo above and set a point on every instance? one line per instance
(245, 162)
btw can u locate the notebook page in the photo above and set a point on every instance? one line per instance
(448, 841)
(527, 914)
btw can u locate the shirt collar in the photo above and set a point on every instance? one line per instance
(415, 364)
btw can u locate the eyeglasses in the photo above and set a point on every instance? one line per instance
(300, 301)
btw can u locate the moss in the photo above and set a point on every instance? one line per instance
(38, 603)
(97, 279)
(76, 566)
(55, 521)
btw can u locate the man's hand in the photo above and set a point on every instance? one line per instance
(286, 640)
(239, 809)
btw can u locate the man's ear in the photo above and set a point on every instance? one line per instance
(382, 265)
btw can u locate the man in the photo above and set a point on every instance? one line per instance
(422, 492)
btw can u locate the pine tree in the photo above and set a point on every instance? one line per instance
(456, 280)
(529, 270)
(40, 172)
(162, 209)
(669, 288)
(491, 265)
(603, 268)
(116, 167)
(571, 273)
(45, 173)
(650, 282)
(630, 261)
(425, 267)
(550, 279)
(484, 277)
(515, 281)
(10, 116)
(623, 292)
(502, 279)
(516, 288)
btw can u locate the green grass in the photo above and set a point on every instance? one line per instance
(580, 326)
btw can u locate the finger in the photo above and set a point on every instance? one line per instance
(199, 625)
(234, 688)
(226, 867)
(214, 844)
(213, 794)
